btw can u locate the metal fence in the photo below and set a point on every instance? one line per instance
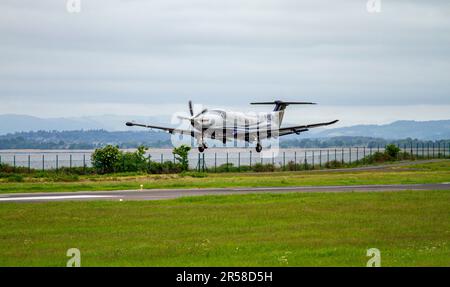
(214, 158)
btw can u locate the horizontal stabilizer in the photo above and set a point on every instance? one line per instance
(284, 103)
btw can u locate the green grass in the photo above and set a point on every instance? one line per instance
(313, 229)
(434, 172)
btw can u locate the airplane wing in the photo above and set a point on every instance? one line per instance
(169, 130)
(304, 128)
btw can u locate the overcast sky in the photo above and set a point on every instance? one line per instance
(150, 57)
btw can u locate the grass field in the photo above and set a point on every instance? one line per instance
(435, 172)
(409, 228)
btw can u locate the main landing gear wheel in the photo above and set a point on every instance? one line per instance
(202, 148)
(258, 148)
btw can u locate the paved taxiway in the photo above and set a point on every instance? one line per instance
(159, 194)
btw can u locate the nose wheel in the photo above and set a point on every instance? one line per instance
(202, 148)
(258, 148)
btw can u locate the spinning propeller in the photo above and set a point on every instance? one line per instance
(192, 118)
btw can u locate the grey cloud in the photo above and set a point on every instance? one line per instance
(225, 52)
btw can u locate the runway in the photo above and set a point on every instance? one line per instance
(161, 194)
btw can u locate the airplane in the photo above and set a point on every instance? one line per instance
(227, 125)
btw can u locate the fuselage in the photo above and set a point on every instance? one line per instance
(216, 119)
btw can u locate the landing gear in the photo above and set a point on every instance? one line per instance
(202, 148)
(258, 147)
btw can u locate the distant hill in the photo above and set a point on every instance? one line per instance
(83, 139)
(156, 139)
(426, 130)
(23, 123)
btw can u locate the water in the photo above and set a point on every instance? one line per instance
(214, 157)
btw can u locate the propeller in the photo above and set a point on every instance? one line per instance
(192, 117)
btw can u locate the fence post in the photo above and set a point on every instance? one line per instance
(84, 163)
(306, 162)
(29, 163)
(227, 162)
(43, 162)
(328, 155)
(284, 160)
(239, 161)
(70, 164)
(350, 154)
(335, 156)
(14, 159)
(162, 158)
(203, 162)
(313, 159)
(320, 158)
(215, 162)
(273, 159)
(357, 154)
(250, 159)
(342, 156)
(295, 160)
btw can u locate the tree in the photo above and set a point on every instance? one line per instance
(181, 155)
(134, 161)
(105, 160)
(392, 150)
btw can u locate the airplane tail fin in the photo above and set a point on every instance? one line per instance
(280, 106)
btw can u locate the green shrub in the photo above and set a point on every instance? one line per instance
(14, 178)
(133, 161)
(263, 167)
(334, 164)
(165, 167)
(105, 160)
(181, 154)
(392, 150)
(195, 174)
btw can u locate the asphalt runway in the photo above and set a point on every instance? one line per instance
(160, 194)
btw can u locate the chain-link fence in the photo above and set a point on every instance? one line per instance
(214, 158)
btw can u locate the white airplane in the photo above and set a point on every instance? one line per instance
(228, 126)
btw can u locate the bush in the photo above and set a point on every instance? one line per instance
(181, 155)
(14, 178)
(334, 164)
(165, 167)
(195, 174)
(133, 161)
(105, 160)
(392, 150)
(263, 167)
(226, 167)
